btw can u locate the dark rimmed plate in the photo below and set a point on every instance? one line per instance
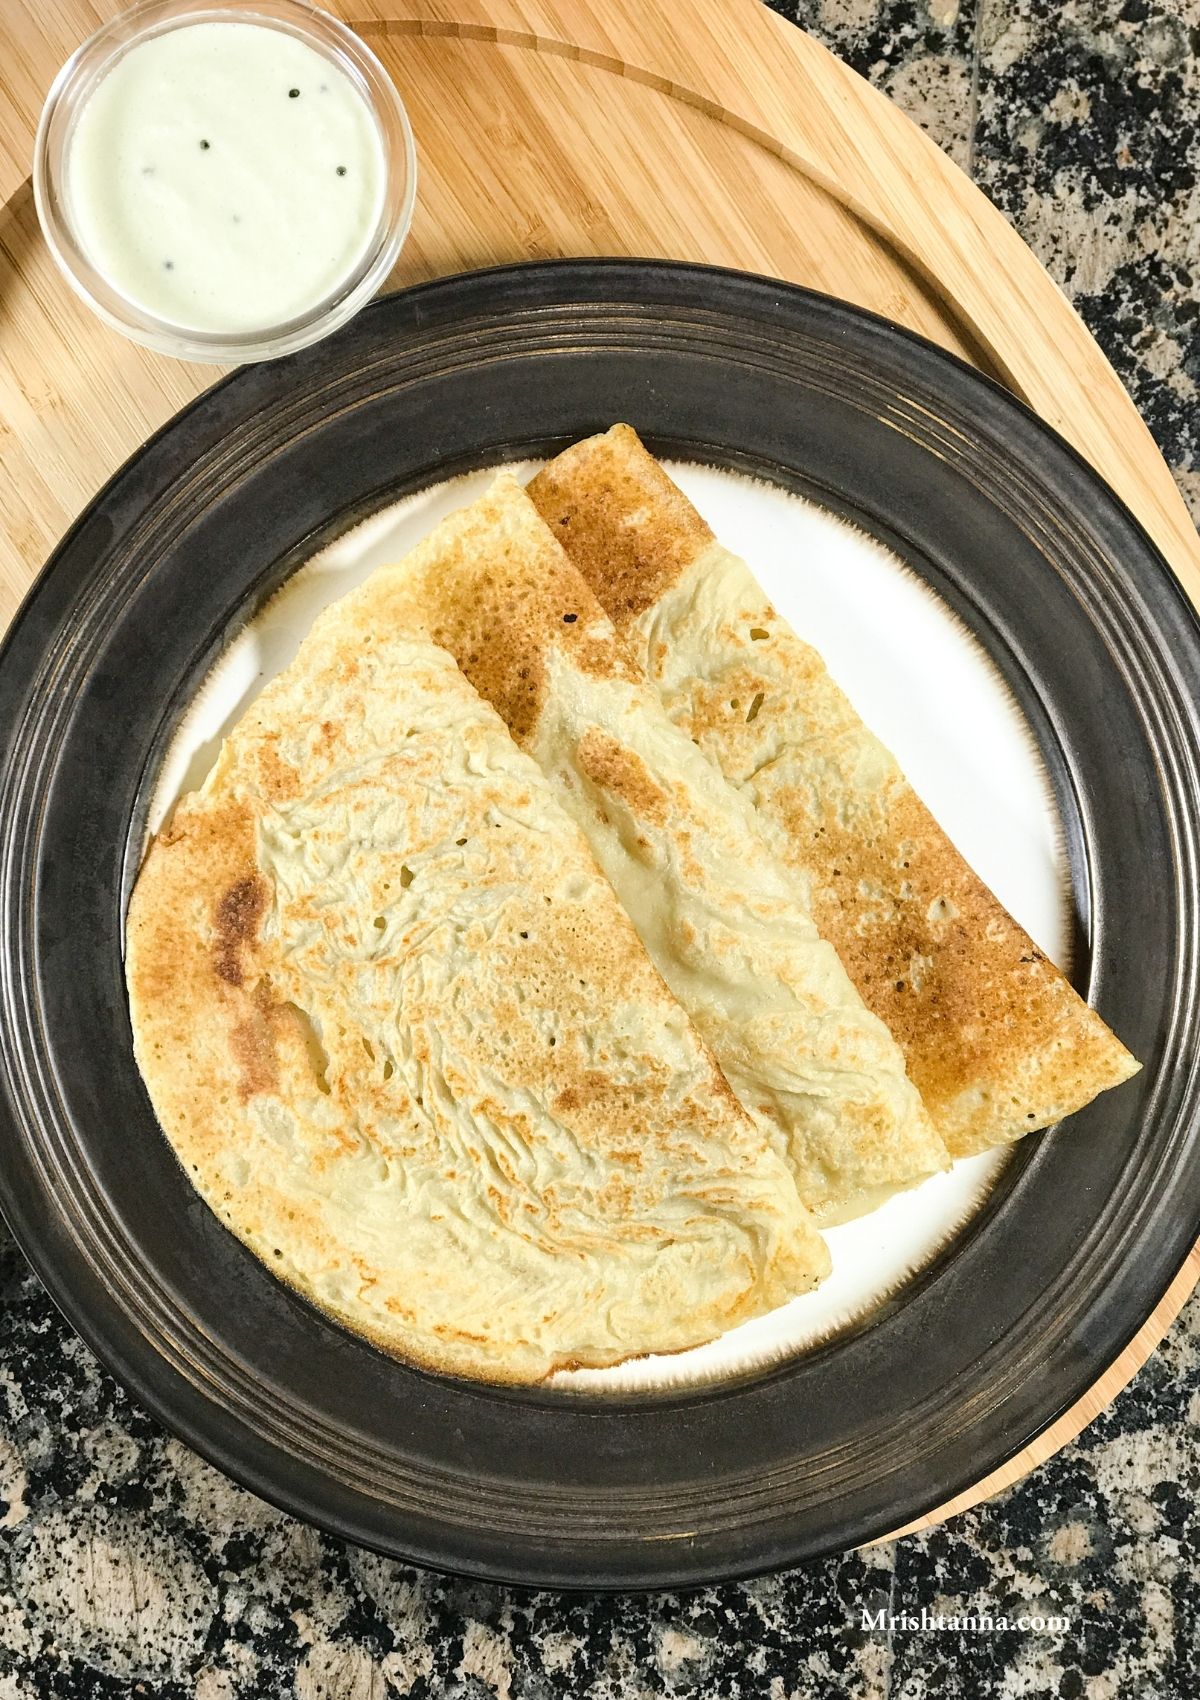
(1072, 603)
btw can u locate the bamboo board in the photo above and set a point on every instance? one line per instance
(696, 132)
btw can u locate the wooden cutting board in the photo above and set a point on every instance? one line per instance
(686, 130)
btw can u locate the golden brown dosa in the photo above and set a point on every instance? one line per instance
(408, 1046)
(996, 1040)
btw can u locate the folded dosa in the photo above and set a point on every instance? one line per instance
(718, 913)
(996, 1040)
(408, 1046)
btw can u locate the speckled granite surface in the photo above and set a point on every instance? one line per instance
(128, 1567)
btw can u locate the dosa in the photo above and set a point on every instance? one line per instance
(997, 1042)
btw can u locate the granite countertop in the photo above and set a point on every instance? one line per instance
(129, 1567)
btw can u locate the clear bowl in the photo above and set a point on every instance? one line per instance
(79, 77)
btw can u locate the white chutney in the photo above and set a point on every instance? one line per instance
(225, 177)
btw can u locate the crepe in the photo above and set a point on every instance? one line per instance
(719, 914)
(408, 1047)
(996, 1040)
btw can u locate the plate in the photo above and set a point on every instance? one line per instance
(614, 1486)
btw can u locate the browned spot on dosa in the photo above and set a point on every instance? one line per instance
(621, 772)
(239, 913)
(630, 531)
(252, 1042)
(501, 596)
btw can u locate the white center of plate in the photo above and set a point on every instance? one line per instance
(916, 676)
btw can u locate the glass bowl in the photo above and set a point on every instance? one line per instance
(79, 78)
